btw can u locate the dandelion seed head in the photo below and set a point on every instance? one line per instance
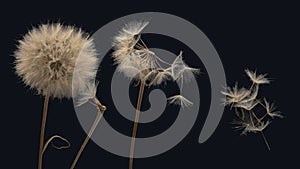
(46, 57)
(126, 39)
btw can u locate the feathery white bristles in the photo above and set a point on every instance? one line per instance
(84, 85)
(257, 79)
(133, 57)
(247, 105)
(180, 100)
(180, 69)
(248, 127)
(130, 30)
(46, 57)
(270, 109)
(234, 95)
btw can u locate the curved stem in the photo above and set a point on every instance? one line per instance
(101, 109)
(42, 135)
(134, 131)
(57, 147)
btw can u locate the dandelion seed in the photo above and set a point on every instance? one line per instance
(179, 69)
(248, 127)
(270, 109)
(252, 95)
(179, 100)
(247, 105)
(257, 79)
(258, 127)
(234, 95)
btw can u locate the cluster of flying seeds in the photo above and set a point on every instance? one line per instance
(136, 61)
(245, 102)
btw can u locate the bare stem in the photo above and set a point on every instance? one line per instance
(266, 141)
(101, 109)
(42, 134)
(57, 147)
(243, 114)
(134, 131)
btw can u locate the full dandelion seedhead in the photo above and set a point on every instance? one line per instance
(46, 57)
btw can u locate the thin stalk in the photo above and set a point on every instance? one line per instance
(137, 115)
(265, 139)
(57, 147)
(243, 114)
(42, 135)
(101, 109)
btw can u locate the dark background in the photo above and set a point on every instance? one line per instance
(261, 36)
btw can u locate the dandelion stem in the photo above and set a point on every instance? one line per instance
(42, 134)
(101, 109)
(251, 86)
(57, 147)
(243, 114)
(143, 43)
(257, 118)
(134, 131)
(266, 141)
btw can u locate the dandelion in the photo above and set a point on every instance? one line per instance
(45, 60)
(244, 101)
(136, 61)
(257, 79)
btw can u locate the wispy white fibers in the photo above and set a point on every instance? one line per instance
(180, 100)
(84, 85)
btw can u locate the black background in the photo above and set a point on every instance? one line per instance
(261, 36)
